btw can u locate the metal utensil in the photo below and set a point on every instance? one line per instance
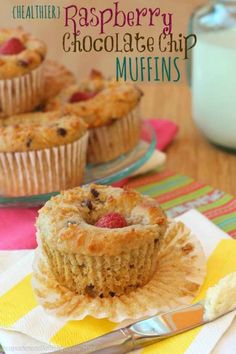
(143, 333)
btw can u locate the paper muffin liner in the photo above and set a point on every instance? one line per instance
(22, 94)
(180, 272)
(108, 142)
(43, 171)
(104, 276)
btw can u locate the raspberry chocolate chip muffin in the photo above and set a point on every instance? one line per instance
(110, 109)
(21, 71)
(41, 153)
(101, 241)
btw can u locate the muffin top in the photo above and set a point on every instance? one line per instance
(57, 77)
(97, 100)
(20, 53)
(80, 221)
(35, 131)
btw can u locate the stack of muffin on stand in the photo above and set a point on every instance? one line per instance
(50, 127)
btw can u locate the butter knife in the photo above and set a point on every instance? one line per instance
(143, 333)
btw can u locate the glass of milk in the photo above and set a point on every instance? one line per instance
(214, 72)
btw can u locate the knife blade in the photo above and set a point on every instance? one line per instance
(144, 332)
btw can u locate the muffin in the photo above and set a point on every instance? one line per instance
(101, 241)
(56, 78)
(41, 153)
(21, 71)
(111, 110)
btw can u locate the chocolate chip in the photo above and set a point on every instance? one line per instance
(23, 63)
(40, 107)
(112, 293)
(61, 131)
(94, 192)
(28, 143)
(87, 203)
(89, 289)
(101, 296)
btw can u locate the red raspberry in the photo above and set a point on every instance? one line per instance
(11, 47)
(82, 96)
(112, 221)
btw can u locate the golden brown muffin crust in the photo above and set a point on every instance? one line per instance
(57, 77)
(29, 59)
(36, 131)
(113, 100)
(67, 222)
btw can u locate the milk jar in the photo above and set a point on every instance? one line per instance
(214, 72)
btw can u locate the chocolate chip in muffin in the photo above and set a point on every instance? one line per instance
(88, 204)
(112, 293)
(101, 296)
(28, 142)
(23, 63)
(94, 192)
(40, 107)
(61, 131)
(89, 289)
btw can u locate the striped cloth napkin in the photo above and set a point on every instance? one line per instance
(41, 333)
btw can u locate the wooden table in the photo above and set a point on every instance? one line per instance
(190, 153)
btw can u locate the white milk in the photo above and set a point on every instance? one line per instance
(214, 86)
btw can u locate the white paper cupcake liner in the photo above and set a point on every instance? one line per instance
(43, 171)
(22, 94)
(108, 142)
(179, 275)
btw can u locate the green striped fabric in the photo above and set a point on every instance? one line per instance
(177, 194)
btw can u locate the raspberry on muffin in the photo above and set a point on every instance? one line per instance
(101, 241)
(110, 109)
(97, 100)
(20, 53)
(21, 71)
(12, 46)
(112, 221)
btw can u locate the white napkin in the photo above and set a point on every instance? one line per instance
(157, 159)
(217, 337)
